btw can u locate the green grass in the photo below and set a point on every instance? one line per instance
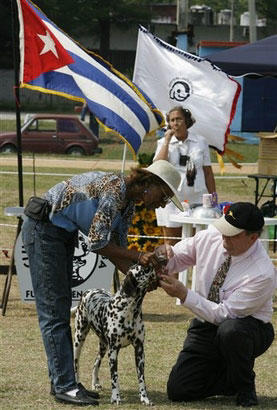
(23, 377)
(24, 380)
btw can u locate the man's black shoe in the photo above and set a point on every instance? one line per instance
(81, 399)
(247, 398)
(89, 393)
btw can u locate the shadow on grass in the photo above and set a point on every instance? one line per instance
(159, 398)
(156, 317)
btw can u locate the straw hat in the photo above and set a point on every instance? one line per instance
(167, 172)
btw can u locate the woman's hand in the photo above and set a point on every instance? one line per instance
(168, 135)
(164, 252)
(145, 258)
(150, 258)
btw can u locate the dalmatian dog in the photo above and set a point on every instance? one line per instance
(117, 321)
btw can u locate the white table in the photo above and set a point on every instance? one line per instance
(189, 222)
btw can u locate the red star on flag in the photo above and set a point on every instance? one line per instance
(42, 51)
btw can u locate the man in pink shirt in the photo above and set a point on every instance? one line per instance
(232, 301)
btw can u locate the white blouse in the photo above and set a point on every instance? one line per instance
(197, 149)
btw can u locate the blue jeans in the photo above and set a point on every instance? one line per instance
(50, 250)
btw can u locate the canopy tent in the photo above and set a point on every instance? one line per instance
(259, 57)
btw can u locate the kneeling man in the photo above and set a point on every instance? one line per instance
(232, 301)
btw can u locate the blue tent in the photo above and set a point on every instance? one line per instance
(259, 57)
(254, 61)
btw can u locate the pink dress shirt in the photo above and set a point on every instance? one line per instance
(248, 287)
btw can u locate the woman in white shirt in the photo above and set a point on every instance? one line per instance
(190, 155)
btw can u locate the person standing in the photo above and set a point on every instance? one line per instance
(100, 205)
(93, 123)
(232, 301)
(190, 155)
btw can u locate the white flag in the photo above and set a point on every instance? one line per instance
(170, 77)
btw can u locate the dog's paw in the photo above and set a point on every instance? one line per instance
(115, 399)
(96, 386)
(146, 401)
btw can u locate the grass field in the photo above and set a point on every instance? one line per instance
(23, 378)
(24, 381)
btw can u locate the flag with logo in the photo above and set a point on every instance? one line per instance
(171, 77)
(51, 62)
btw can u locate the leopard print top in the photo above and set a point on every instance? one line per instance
(109, 189)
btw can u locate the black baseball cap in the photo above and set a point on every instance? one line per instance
(241, 216)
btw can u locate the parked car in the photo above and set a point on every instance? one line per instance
(52, 133)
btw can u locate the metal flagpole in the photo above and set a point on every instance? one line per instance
(15, 42)
(16, 58)
(124, 159)
(116, 281)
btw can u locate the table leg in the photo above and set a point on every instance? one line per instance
(265, 235)
(183, 276)
(8, 281)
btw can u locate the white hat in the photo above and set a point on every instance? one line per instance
(167, 172)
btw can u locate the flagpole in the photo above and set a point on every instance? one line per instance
(124, 159)
(16, 59)
(15, 44)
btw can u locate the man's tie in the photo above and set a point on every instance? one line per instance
(219, 280)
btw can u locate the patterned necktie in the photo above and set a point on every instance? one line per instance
(219, 280)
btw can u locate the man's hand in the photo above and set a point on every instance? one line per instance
(173, 287)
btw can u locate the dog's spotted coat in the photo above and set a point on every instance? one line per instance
(117, 321)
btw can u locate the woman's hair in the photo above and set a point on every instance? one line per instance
(142, 177)
(189, 120)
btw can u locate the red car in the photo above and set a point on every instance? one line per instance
(52, 133)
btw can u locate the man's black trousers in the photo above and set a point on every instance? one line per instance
(218, 360)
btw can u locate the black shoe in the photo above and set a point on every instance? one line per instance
(89, 393)
(81, 399)
(247, 398)
(52, 390)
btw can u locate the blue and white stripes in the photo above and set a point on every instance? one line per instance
(113, 99)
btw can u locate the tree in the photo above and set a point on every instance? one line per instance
(95, 17)
(6, 49)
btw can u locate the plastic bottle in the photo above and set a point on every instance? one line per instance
(187, 209)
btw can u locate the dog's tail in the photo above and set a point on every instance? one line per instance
(74, 309)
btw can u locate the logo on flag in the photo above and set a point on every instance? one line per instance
(52, 62)
(179, 89)
(170, 77)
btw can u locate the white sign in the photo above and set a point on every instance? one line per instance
(89, 271)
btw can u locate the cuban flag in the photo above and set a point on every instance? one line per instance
(172, 77)
(51, 62)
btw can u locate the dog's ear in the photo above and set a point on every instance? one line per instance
(129, 285)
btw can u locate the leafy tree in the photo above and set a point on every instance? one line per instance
(6, 49)
(267, 8)
(95, 17)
